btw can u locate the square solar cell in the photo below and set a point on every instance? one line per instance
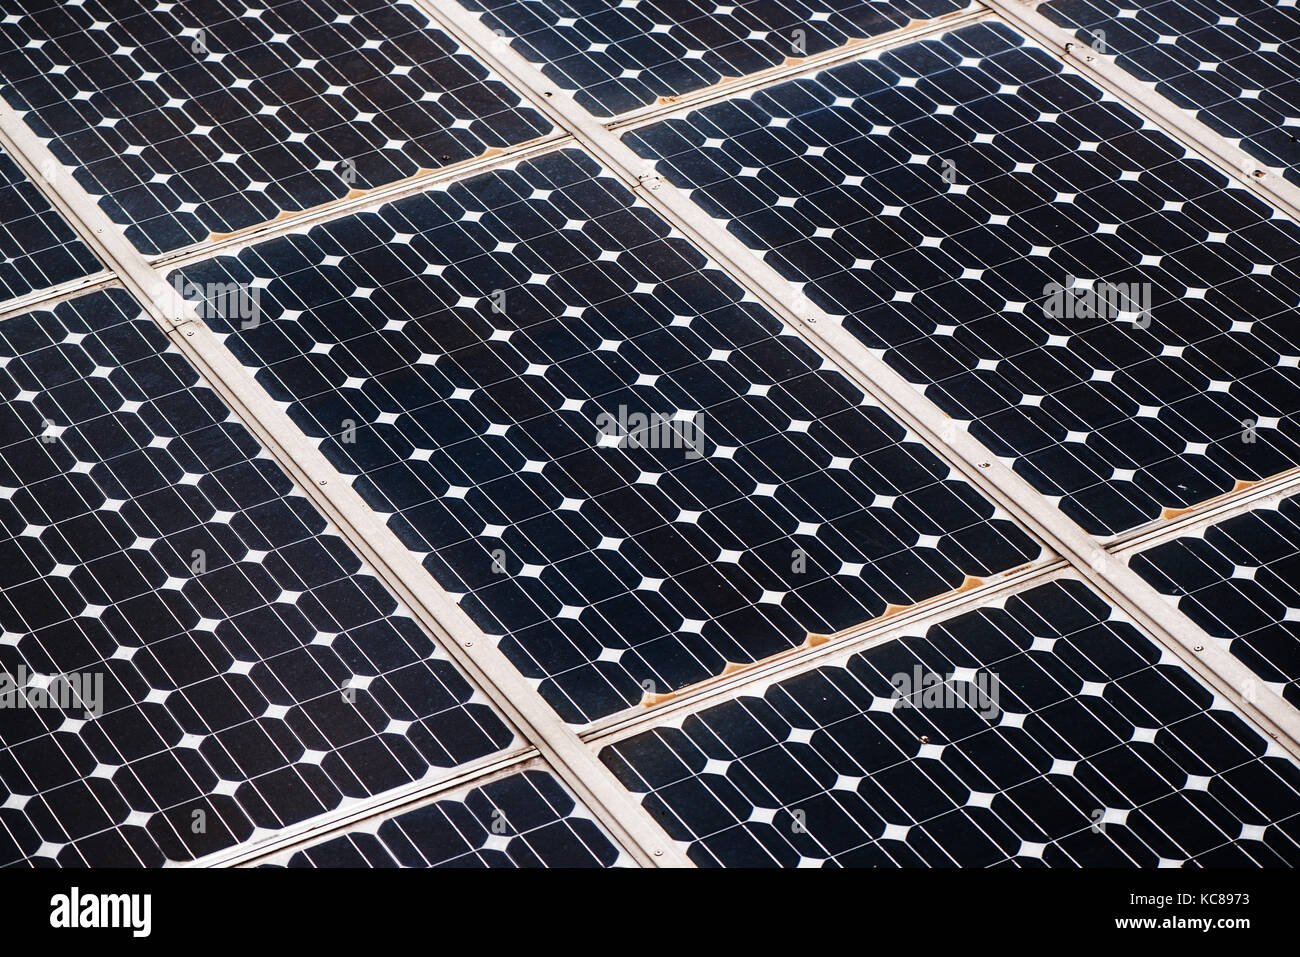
(616, 57)
(622, 467)
(1240, 581)
(191, 118)
(1046, 732)
(525, 820)
(1233, 64)
(190, 655)
(1113, 317)
(37, 248)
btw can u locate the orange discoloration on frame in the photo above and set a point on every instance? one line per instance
(891, 610)
(797, 61)
(1241, 485)
(649, 700)
(352, 194)
(814, 640)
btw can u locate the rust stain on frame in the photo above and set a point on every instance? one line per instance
(796, 61)
(1241, 485)
(814, 640)
(352, 194)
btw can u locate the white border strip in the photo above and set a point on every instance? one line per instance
(1195, 526)
(840, 655)
(304, 220)
(1211, 511)
(322, 827)
(49, 296)
(452, 791)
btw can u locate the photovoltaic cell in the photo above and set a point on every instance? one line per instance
(945, 197)
(1092, 749)
(771, 500)
(191, 118)
(1233, 63)
(616, 57)
(1240, 581)
(253, 673)
(37, 248)
(526, 820)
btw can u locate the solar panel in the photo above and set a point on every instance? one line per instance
(1240, 581)
(616, 57)
(188, 119)
(776, 501)
(525, 820)
(37, 248)
(1079, 744)
(1234, 64)
(1106, 312)
(192, 656)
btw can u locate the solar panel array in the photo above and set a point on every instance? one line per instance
(602, 565)
(251, 672)
(839, 180)
(1240, 581)
(795, 630)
